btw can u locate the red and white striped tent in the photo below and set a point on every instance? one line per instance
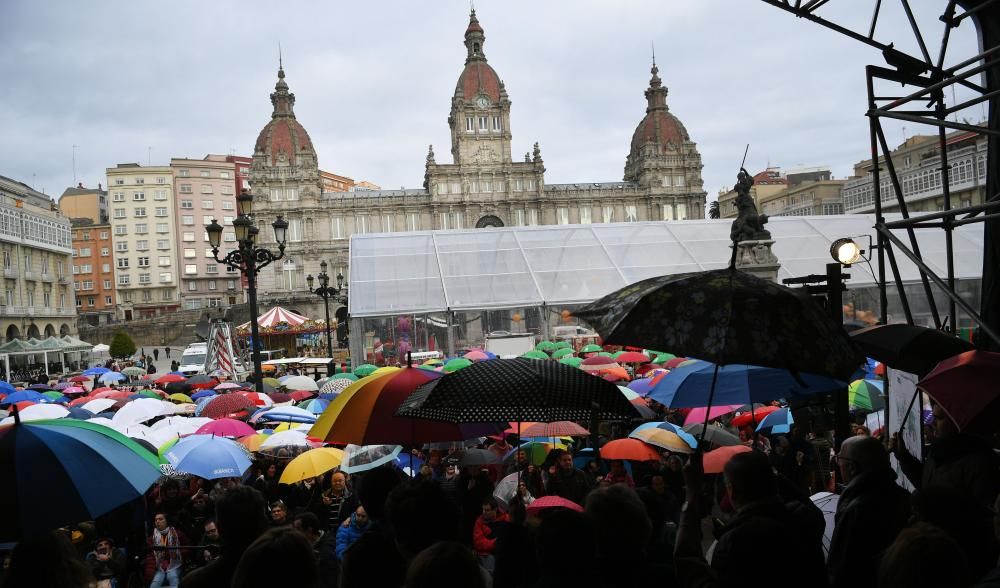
(280, 315)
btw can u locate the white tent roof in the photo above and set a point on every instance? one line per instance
(511, 267)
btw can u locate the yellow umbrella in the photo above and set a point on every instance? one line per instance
(384, 370)
(289, 427)
(180, 398)
(312, 463)
(272, 382)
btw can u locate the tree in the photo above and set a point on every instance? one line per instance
(122, 345)
(713, 209)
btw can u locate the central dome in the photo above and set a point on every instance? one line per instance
(283, 137)
(477, 78)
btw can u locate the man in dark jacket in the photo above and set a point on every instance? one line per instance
(324, 546)
(872, 510)
(567, 481)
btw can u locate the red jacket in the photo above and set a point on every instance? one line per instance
(483, 541)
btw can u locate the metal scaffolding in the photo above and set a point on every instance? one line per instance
(927, 106)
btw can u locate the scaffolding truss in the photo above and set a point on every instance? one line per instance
(927, 106)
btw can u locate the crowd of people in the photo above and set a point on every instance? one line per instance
(603, 524)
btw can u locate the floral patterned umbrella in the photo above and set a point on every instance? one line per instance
(726, 316)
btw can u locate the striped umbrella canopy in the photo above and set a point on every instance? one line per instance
(666, 435)
(556, 429)
(86, 470)
(365, 413)
(866, 395)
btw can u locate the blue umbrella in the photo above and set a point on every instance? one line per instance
(77, 412)
(316, 405)
(22, 395)
(203, 394)
(88, 468)
(7, 387)
(409, 464)
(690, 386)
(96, 371)
(39, 387)
(209, 457)
(111, 377)
(202, 403)
(285, 414)
(779, 421)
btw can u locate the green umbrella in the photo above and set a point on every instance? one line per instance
(663, 358)
(561, 353)
(616, 354)
(545, 346)
(535, 355)
(53, 394)
(350, 377)
(145, 393)
(364, 370)
(430, 368)
(272, 382)
(604, 354)
(563, 345)
(866, 395)
(572, 361)
(593, 347)
(456, 364)
(133, 371)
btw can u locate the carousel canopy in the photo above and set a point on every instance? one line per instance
(281, 321)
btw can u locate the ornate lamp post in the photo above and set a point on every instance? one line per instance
(326, 291)
(249, 259)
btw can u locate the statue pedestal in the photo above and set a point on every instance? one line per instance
(755, 257)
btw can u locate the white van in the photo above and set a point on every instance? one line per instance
(193, 359)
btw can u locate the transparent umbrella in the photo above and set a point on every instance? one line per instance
(361, 458)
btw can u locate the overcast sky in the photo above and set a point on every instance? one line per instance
(143, 81)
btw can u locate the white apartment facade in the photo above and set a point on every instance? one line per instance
(143, 227)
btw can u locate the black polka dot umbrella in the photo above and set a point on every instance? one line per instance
(519, 389)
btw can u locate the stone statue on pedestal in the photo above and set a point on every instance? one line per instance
(749, 225)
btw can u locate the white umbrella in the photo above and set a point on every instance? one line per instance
(135, 431)
(506, 489)
(293, 438)
(138, 411)
(300, 383)
(160, 436)
(98, 405)
(100, 348)
(827, 502)
(102, 421)
(184, 425)
(37, 412)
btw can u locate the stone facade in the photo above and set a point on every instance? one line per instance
(483, 186)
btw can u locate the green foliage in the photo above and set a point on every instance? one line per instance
(122, 345)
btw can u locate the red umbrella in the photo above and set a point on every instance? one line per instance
(257, 398)
(227, 405)
(556, 429)
(552, 502)
(279, 397)
(79, 401)
(630, 449)
(97, 391)
(513, 427)
(596, 363)
(79, 379)
(299, 395)
(716, 460)
(757, 415)
(167, 378)
(672, 363)
(113, 394)
(965, 386)
(632, 357)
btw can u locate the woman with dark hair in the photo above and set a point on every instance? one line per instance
(279, 557)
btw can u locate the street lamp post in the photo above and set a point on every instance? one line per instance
(326, 291)
(249, 259)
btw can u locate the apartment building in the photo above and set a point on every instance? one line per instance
(81, 202)
(35, 245)
(810, 192)
(93, 271)
(918, 164)
(144, 237)
(205, 190)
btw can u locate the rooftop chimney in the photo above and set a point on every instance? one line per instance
(79, 185)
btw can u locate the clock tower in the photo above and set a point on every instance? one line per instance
(480, 108)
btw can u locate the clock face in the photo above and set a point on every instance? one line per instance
(482, 102)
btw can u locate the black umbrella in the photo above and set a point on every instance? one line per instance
(908, 347)
(177, 388)
(517, 389)
(726, 316)
(200, 379)
(474, 457)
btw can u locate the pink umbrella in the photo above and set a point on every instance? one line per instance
(73, 390)
(552, 502)
(226, 428)
(476, 355)
(675, 362)
(697, 415)
(228, 386)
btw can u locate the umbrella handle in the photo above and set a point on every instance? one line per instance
(902, 423)
(708, 409)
